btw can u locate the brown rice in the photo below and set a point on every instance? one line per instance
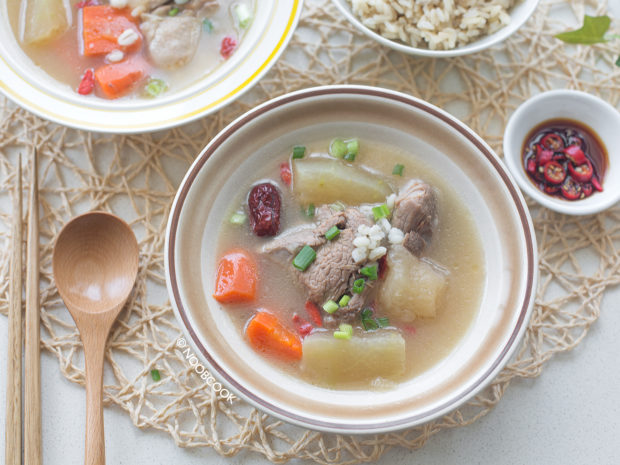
(436, 24)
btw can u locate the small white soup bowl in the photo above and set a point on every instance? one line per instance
(34, 89)
(436, 138)
(581, 107)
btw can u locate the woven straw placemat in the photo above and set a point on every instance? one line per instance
(136, 176)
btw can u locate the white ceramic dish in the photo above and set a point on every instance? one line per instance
(518, 16)
(595, 113)
(262, 136)
(32, 88)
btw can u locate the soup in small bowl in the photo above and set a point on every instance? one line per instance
(336, 261)
(137, 65)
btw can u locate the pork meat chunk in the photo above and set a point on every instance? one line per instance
(332, 273)
(172, 40)
(415, 214)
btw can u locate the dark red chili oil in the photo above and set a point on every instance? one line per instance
(565, 158)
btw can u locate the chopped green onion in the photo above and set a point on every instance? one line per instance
(398, 170)
(382, 211)
(349, 156)
(330, 306)
(154, 87)
(344, 300)
(370, 272)
(244, 16)
(338, 148)
(173, 12)
(304, 258)
(345, 332)
(358, 286)
(332, 233)
(353, 147)
(310, 211)
(299, 151)
(238, 218)
(155, 375)
(383, 322)
(337, 206)
(207, 25)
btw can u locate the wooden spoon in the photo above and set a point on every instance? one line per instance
(95, 264)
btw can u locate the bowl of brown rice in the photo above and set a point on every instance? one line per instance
(437, 28)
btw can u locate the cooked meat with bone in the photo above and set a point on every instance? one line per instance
(415, 214)
(172, 40)
(332, 274)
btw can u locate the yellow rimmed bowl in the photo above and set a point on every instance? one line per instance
(257, 139)
(30, 87)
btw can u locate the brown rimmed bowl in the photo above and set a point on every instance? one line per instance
(260, 136)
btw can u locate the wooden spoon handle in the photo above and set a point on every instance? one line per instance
(94, 352)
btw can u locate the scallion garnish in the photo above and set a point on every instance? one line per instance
(244, 15)
(332, 233)
(173, 12)
(370, 272)
(238, 218)
(155, 375)
(304, 258)
(383, 322)
(368, 322)
(299, 151)
(154, 87)
(381, 211)
(338, 148)
(353, 147)
(207, 25)
(344, 300)
(358, 286)
(349, 156)
(398, 170)
(345, 331)
(330, 306)
(310, 211)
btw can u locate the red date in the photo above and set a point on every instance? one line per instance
(264, 204)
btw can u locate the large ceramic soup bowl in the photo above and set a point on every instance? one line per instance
(128, 66)
(351, 259)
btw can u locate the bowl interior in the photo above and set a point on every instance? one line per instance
(259, 139)
(519, 14)
(601, 117)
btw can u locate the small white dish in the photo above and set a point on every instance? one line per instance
(587, 109)
(33, 89)
(519, 14)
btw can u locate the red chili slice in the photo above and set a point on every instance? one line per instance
(285, 173)
(596, 184)
(575, 154)
(531, 166)
(303, 327)
(554, 172)
(587, 189)
(314, 313)
(552, 142)
(571, 190)
(543, 156)
(88, 82)
(552, 189)
(581, 173)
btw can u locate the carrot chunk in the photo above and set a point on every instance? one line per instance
(267, 334)
(236, 278)
(101, 27)
(117, 79)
